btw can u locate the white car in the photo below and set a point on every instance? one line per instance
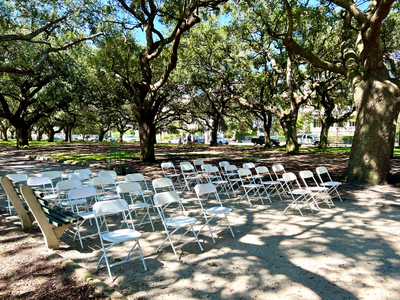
(173, 140)
(222, 141)
(129, 138)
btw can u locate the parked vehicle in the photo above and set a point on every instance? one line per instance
(112, 139)
(308, 139)
(173, 140)
(261, 141)
(93, 138)
(198, 140)
(129, 138)
(222, 141)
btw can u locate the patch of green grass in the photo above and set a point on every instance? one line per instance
(13, 143)
(81, 157)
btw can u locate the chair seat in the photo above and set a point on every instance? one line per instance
(271, 182)
(219, 182)
(73, 202)
(109, 197)
(138, 205)
(87, 215)
(331, 183)
(172, 175)
(317, 189)
(217, 210)
(180, 221)
(299, 192)
(252, 185)
(121, 235)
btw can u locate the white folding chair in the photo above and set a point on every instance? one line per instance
(132, 190)
(45, 184)
(84, 178)
(300, 197)
(110, 174)
(169, 171)
(87, 171)
(222, 165)
(279, 170)
(174, 220)
(248, 185)
(213, 211)
(319, 193)
(252, 168)
(214, 177)
(111, 207)
(15, 178)
(332, 185)
(89, 195)
(55, 176)
(197, 165)
(231, 173)
(106, 188)
(268, 182)
(139, 178)
(162, 185)
(190, 176)
(63, 187)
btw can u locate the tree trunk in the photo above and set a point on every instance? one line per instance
(50, 133)
(101, 134)
(267, 122)
(22, 134)
(147, 134)
(378, 107)
(214, 132)
(289, 128)
(39, 134)
(121, 134)
(3, 129)
(325, 125)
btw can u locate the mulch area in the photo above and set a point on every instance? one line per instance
(27, 274)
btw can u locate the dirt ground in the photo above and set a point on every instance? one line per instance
(350, 251)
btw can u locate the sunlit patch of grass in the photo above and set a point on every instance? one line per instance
(83, 157)
(13, 143)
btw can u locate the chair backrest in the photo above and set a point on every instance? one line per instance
(222, 164)
(187, 167)
(134, 177)
(164, 198)
(52, 174)
(206, 166)
(67, 185)
(278, 169)
(230, 169)
(321, 171)
(197, 163)
(105, 180)
(289, 178)
(36, 181)
(244, 172)
(87, 171)
(129, 187)
(163, 183)
(263, 170)
(17, 177)
(206, 188)
(248, 166)
(109, 174)
(85, 192)
(110, 207)
(78, 176)
(307, 174)
(167, 165)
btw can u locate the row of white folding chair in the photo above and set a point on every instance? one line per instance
(78, 195)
